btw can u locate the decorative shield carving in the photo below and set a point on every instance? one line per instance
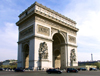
(43, 51)
(73, 55)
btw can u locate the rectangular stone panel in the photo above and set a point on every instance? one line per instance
(43, 30)
(26, 32)
(72, 39)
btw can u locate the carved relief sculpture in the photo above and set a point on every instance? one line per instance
(72, 39)
(39, 25)
(26, 32)
(72, 56)
(43, 30)
(43, 51)
(56, 25)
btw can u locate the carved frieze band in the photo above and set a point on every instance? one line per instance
(27, 23)
(43, 30)
(26, 32)
(56, 25)
(72, 39)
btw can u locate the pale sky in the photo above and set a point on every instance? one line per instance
(86, 13)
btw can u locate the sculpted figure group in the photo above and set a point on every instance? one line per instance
(43, 51)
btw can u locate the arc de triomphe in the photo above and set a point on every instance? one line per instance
(47, 39)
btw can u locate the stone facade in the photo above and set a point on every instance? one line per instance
(46, 38)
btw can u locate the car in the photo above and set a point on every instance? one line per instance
(5, 68)
(94, 69)
(71, 70)
(14, 68)
(49, 71)
(82, 69)
(1, 69)
(19, 70)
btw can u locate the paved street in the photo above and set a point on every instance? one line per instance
(43, 73)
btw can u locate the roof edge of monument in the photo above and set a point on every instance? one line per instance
(48, 9)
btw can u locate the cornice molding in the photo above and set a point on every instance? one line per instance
(43, 38)
(40, 5)
(56, 20)
(25, 18)
(48, 9)
(72, 45)
(27, 39)
(35, 12)
(68, 44)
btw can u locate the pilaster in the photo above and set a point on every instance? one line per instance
(19, 55)
(31, 53)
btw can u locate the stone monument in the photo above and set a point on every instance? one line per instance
(47, 39)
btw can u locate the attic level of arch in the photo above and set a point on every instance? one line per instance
(38, 9)
(44, 9)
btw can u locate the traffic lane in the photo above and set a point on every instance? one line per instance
(43, 73)
(90, 73)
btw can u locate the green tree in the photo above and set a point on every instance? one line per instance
(97, 64)
(10, 66)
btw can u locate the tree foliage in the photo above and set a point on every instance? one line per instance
(9, 66)
(97, 64)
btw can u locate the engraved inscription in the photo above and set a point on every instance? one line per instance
(72, 39)
(43, 30)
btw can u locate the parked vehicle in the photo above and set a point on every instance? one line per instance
(94, 69)
(19, 70)
(14, 68)
(49, 71)
(5, 68)
(1, 69)
(71, 70)
(82, 69)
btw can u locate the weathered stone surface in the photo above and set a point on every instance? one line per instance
(46, 39)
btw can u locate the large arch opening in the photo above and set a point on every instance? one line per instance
(26, 56)
(58, 40)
